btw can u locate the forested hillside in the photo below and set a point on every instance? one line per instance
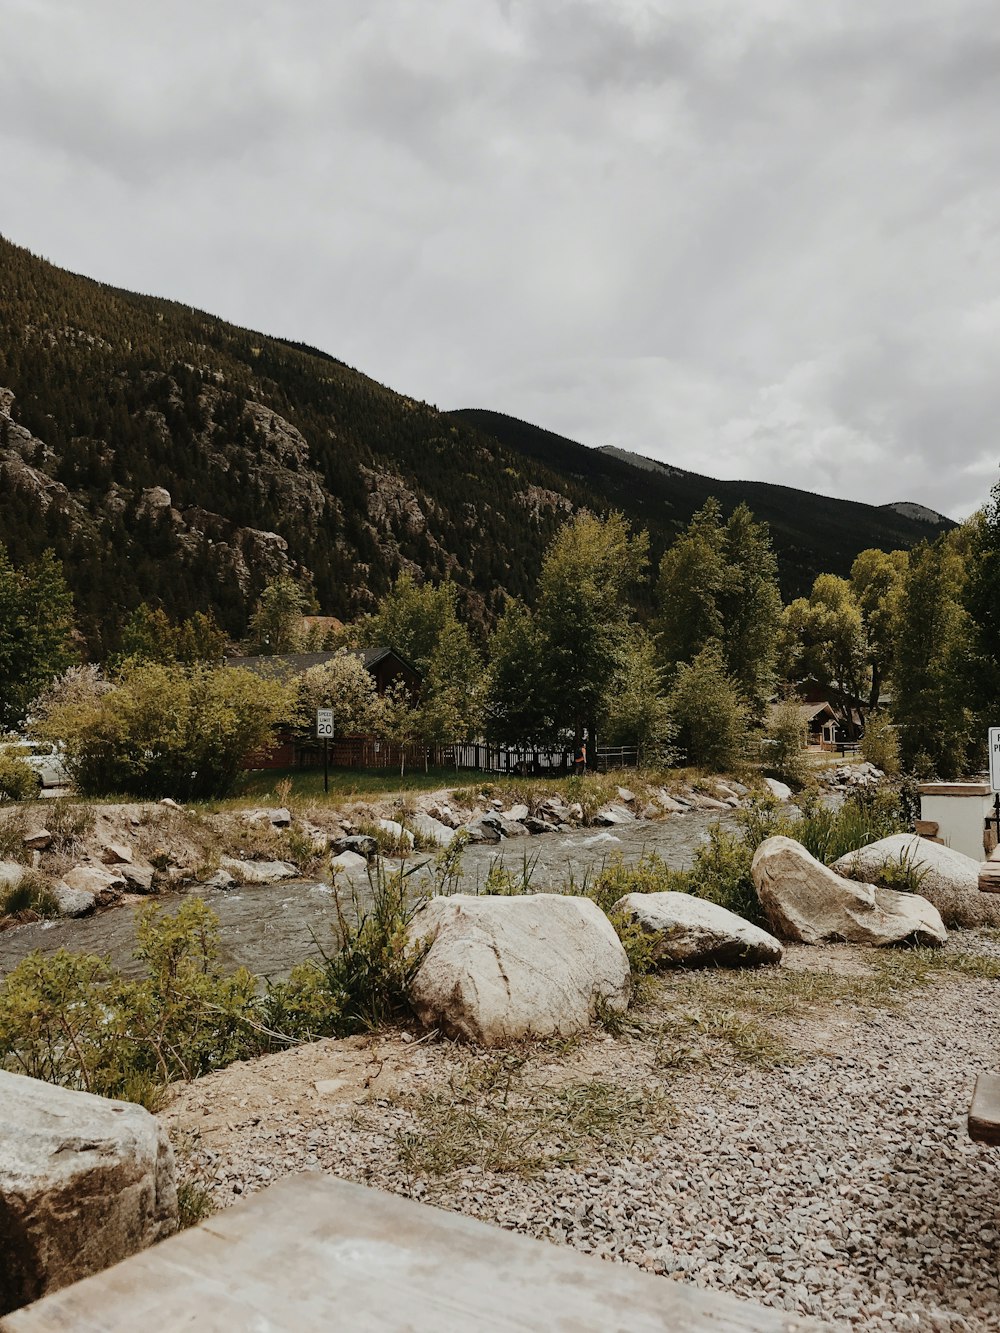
(172, 458)
(812, 534)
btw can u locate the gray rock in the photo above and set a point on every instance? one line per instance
(433, 830)
(278, 816)
(804, 900)
(945, 872)
(37, 839)
(614, 814)
(361, 843)
(534, 824)
(139, 879)
(483, 829)
(11, 874)
(116, 854)
(396, 831)
(624, 794)
(688, 931)
(84, 1183)
(499, 969)
(222, 879)
(72, 902)
(779, 790)
(106, 885)
(517, 814)
(348, 861)
(259, 872)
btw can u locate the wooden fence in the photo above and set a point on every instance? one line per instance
(364, 752)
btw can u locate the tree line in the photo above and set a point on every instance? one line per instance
(907, 646)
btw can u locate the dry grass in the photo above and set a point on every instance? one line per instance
(494, 1115)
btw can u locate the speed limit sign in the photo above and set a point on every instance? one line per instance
(324, 724)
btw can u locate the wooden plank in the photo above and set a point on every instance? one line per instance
(314, 1253)
(954, 789)
(989, 876)
(926, 828)
(984, 1113)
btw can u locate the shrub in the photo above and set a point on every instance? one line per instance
(650, 874)
(69, 822)
(13, 827)
(880, 744)
(18, 780)
(163, 729)
(709, 713)
(721, 874)
(785, 742)
(30, 897)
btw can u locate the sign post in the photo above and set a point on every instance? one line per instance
(994, 749)
(324, 732)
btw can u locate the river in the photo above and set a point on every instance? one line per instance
(270, 927)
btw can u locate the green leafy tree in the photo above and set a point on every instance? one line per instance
(398, 721)
(718, 583)
(345, 685)
(636, 710)
(276, 623)
(583, 614)
(982, 602)
(162, 729)
(709, 712)
(823, 638)
(933, 636)
(785, 741)
(36, 633)
(411, 618)
(876, 582)
(522, 701)
(152, 636)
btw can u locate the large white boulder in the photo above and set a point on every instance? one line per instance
(498, 968)
(944, 872)
(779, 790)
(688, 931)
(84, 1182)
(804, 900)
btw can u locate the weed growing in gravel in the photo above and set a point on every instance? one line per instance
(69, 822)
(491, 1115)
(194, 1204)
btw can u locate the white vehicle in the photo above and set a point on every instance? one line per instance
(44, 758)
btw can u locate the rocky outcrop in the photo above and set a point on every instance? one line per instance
(84, 1183)
(498, 969)
(806, 901)
(689, 932)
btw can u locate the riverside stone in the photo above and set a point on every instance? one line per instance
(779, 790)
(106, 885)
(687, 931)
(138, 878)
(84, 1183)
(945, 872)
(72, 902)
(396, 830)
(37, 839)
(278, 816)
(348, 861)
(361, 843)
(434, 830)
(614, 814)
(11, 874)
(805, 900)
(259, 872)
(499, 969)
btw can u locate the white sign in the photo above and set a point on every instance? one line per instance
(324, 724)
(995, 758)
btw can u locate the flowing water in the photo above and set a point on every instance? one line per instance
(270, 927)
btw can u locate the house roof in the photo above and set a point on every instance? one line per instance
(283, 666)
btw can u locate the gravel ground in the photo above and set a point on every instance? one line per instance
(828, 1172)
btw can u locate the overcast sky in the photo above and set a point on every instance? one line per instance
(754, 239)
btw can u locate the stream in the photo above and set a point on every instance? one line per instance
(271, 927)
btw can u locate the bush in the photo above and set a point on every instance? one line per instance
(162, 729)
(18, 780)
(31, 897)
(785, 743)
(880, 744)
(709, 713)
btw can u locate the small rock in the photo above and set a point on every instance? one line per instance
(349, 861)
(37, 839)
(116, 854)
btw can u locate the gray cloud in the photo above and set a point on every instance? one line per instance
(755, 240)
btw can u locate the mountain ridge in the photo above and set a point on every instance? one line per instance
(169, 456)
